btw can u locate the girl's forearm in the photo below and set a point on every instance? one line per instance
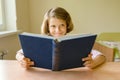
(98, 60)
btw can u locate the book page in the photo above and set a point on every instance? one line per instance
(37, 35)
(73, 36)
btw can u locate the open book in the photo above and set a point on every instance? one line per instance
(57, 53)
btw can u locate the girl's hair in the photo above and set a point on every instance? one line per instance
(58, 13)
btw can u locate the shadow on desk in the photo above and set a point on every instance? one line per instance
(70, 74)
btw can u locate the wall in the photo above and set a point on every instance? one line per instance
(89, 16)
(11, 44)
(22, 12)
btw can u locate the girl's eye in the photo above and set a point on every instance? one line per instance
(52, 26)
(62, 25)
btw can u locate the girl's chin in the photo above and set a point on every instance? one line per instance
(57, 36)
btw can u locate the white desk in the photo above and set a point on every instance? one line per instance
(11, 70)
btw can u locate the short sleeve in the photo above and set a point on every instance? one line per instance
(20, 51)
(95, 53)
(19, 55)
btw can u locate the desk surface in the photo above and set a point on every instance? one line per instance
(11, 70)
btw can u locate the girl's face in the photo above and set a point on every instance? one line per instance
(57, 27)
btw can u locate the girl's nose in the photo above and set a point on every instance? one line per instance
(57, 29)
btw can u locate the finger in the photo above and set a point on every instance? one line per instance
(26, 59)
(87, 62)
(88, 65)
(32, 63)
(27, 64)
(90, 55)
(86, 59)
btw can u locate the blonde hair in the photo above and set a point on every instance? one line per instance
(58, 13)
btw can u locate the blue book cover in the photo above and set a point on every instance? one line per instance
(57, 53)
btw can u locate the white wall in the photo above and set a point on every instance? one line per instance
(89, 16)
(22, 12)
(11, 44)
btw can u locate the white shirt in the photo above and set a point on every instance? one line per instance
(95, 53)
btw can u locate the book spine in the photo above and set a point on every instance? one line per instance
(56, 56)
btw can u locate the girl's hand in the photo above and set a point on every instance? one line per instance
(89, 62)
(26, 63)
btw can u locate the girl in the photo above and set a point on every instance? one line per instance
(57, 22)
